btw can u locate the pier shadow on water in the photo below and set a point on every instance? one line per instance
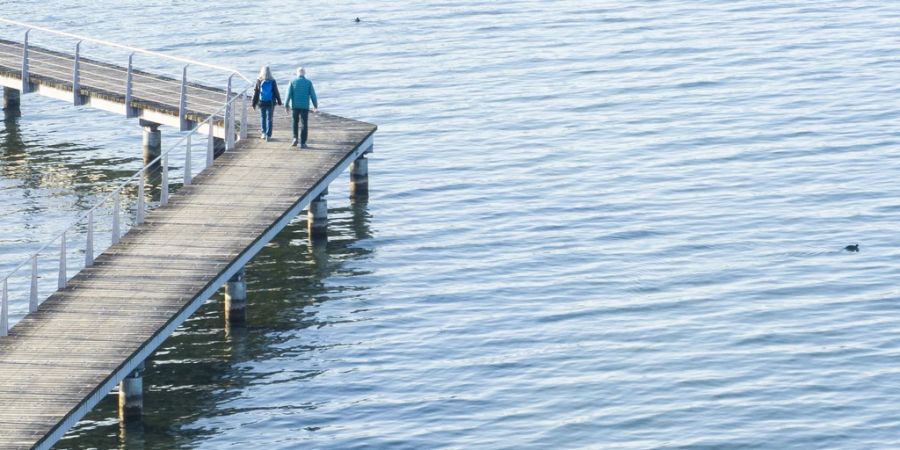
(204, 365)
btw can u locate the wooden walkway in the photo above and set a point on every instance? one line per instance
(58, 362)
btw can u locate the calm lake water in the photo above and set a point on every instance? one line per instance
(593, 224)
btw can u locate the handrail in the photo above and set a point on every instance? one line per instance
(123, 47)
(226, 111)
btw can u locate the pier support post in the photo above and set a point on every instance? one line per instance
(218, 146)
(236, 298)
(152, 144)
(11, 103)
(131, 395)
(317, 218)
(359, 178)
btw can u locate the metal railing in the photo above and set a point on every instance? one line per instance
(158, 170)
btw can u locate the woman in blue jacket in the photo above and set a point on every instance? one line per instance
(265, 95)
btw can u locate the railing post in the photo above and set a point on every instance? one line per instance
(182, 102)
(4, 311)
(233, 134)
(62, 262)
(244, 116)
(187, 162)
(76, 75)
(139, 218)
(116, 234)
(89, 245)
(33, 296)
(210, 146)
(129, 111)
(164, 189)
(229, 113)
(26, 85)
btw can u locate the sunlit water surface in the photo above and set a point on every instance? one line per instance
(593, 224)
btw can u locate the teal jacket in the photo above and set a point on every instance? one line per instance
(300, 93)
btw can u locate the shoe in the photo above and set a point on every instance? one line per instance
(304, 146)
(294, 143)
(262, 135)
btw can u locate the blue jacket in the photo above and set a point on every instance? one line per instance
(300, 93)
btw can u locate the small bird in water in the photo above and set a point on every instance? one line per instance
(852, 248)
(357, 20)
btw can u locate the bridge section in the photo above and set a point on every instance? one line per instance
(96, 330)
(132, 93)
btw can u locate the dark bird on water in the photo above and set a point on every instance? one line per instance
(852, 248)
(357, 20)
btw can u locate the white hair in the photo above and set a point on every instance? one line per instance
(265, 73)
(301, 71)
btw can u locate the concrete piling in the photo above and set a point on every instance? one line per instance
(218, 146)
(131, 395)
(152, 143)
(359, 178)
(317, 218)
(236, 298)
(11, 103)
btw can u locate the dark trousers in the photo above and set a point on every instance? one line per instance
(301, 114)
(266, 111)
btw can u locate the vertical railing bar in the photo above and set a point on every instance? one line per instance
(4, 310)
(233, 134)
(182, 102)
(139, 217)
(26, 85)
(187, 162)
(164, 192)
(33, 297)
(129, 79)
(89, 245)
(229, 130)
(210, 146)
(244, 116)
(76, 76)
(116, 233)
(61, 284)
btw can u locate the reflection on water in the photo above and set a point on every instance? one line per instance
(56, 166)
(201, 367)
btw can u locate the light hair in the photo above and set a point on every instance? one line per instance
(265, 73)
(301, 71)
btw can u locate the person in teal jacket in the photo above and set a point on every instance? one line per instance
(299, 94)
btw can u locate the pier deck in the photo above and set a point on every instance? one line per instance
(59, 361)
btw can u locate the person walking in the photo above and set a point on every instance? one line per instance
(300, 93)
(265, 95)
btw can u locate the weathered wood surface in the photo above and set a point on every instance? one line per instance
(60, 355)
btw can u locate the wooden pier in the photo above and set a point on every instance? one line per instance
(59, 361)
